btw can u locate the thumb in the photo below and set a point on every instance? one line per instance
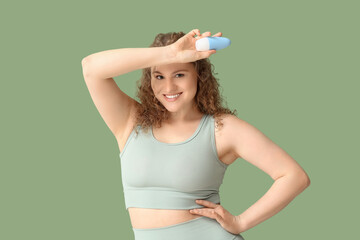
(208, 53)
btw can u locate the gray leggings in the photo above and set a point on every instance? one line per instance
(201, 228)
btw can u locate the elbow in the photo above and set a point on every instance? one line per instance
(85, 66)
(301, 177)
(85, 61)
(307, 181)
(304, 178)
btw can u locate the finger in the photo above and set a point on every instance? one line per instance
(217, 34)
(207, 212)
(206, 54)
(209, 53)
(202, 211)
(199, 36)
(194, 32)
(218, 217)
(204, 202)
(205, 34)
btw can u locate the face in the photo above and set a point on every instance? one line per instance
(172, 79)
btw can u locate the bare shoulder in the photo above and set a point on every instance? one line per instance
(234, 133)
(225, 133)
(229, 124)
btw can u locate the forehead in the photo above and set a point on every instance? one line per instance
(172, 67)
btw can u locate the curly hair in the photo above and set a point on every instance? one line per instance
(208, 99)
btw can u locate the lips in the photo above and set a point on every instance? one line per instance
(172, 99)
(172, 94)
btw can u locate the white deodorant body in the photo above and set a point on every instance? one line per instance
(202, 44)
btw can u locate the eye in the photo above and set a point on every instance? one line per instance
(175, 75)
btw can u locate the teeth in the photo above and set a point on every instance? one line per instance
(172, 96)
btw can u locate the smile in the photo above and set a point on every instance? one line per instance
(172, 98)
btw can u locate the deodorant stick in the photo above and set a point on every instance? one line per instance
(210, 43)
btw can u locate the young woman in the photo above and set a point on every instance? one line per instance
(176, 145)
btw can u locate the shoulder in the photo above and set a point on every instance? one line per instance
(233, 123)
(229, 123)
(235, 132)
(224, 126)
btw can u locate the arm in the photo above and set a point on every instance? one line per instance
(253, 146)
(280, 194)
(111, 63)
(114, 105)
(115, 62)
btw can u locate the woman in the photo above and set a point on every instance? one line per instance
(172, 159)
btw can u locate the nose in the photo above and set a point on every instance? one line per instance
(170, 86)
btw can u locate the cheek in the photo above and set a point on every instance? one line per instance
(193, 86)
(156, 90)
(153, 87)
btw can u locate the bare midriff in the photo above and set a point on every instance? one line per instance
(155, 218)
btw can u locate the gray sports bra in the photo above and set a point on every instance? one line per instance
(172, 175)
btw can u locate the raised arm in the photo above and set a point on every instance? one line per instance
(114, 106)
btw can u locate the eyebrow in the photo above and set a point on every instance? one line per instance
(184, 70)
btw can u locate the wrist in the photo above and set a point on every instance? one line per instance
(241, 223)
(170, 53)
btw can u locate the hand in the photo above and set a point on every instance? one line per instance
(184, 49)
(228, 221)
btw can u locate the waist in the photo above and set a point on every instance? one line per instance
(168, 199)
(155, 218)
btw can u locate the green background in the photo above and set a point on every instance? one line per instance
(292, 71)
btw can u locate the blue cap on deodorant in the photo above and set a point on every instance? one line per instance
(210, 43)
